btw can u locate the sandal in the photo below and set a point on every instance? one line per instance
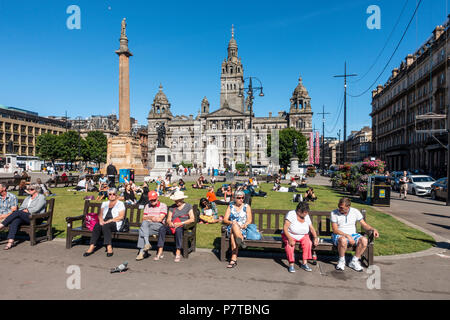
(8, 246)
(232, 264)
(177, 258)
(158, 257)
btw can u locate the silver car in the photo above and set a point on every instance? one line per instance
(420, 185)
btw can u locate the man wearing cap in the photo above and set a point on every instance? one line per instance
(154, 214)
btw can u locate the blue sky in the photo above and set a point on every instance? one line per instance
(50, 69)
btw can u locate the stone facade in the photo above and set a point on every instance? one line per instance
(418, 87)
(227, 127)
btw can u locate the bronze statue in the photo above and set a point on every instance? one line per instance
(294, 149)
(161, 130)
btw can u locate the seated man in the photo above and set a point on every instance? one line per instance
(343, 222)
(81, 186)
(8, 202)
(310, 195)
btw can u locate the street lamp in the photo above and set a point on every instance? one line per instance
(78, 121)
(250, 102)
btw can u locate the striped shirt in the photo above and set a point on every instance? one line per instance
(160, 208)
(6, 204)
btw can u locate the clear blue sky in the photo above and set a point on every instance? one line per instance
(49, 69)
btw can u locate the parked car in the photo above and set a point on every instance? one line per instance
(420, 185)
(439, 189)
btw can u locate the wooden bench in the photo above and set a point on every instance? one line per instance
(134, 214)
(63, 181)
(13, 182)
(40, 221)
(270, 223)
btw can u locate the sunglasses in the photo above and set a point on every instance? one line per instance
(31, 189)
(153, 200)
(239, 197)
(111, 194)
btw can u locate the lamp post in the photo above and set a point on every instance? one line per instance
(78, 122)
(250, 102)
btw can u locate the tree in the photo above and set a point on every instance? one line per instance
(46, 147)
(94, 148)
(70, 144)
(286, 142)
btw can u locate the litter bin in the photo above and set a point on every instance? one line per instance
(131, 175)
(216, 172)
(124, 174)
(379, 191)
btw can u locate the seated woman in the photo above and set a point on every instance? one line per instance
(44, 189)
(182, 185)
(238, 216)
(277, 185)
(303, 183)
(213, 180)
(128, 195)
(143, 200)
(211, 197)
(33, 204)
(180, 214)
(110, 218)
(208, 212)
(297, 227)
(103, 194)
(23, 185)
(81, 186)
(228, 194)
(310, 195)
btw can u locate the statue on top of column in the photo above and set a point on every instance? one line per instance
(124, 27)
(161, 130)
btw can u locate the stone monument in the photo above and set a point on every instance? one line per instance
(163, 156)
(295, 170)
(124, 151)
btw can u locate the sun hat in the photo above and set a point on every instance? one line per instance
(178, 195)
(152, 195)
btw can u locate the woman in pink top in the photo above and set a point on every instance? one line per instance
(297, 227)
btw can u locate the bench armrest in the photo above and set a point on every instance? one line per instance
(370, 236)
(71, 219)
(40, 215)
(189, 226)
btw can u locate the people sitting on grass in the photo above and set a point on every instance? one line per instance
(297, 228)
(208, 212)
(303, 183)
(310, 195)
(179, 214)
(182, 185)
(213, 179)
(237, 217)
(128, 195)
(23, 185)
(200, 184)
(44, 189)
(81, 185)
(101, 180)
(277, 184)
(112, 213)
(211, 197)
(103, 194)
(33, 204)
(90, 185)
(343, 223)
(143, 200)
(154, 214)
(227, 194)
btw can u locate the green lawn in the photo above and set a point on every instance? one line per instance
(395, 237)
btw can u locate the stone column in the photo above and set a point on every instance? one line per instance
(124, 83)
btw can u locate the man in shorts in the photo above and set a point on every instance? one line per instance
(403, 185)
(343, 222)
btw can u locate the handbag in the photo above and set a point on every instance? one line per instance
(253, 233)
(125, 227)
(91, 220)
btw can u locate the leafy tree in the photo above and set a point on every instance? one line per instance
(241, 167)
(70, 145)
(94, 148)
(46, 147)
(286, 142)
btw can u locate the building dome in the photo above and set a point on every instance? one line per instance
(161, 97)
(300, 90)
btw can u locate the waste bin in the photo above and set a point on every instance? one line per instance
(124, 174)
(379, 191)
(216, 172)
(131, 175)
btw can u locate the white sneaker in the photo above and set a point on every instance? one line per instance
(355, 265)
(341, 265)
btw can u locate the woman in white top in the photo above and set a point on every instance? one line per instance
(110, 219)
(297, 227)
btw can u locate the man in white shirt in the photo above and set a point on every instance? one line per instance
(343, 222)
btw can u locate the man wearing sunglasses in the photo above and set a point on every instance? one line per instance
(154, 214)
(343, 222)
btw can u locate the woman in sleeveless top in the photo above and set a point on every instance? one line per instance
(238, 216)
(180, 214)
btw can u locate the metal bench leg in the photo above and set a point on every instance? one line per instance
(68, 240)
(223, 248)
(185, 247)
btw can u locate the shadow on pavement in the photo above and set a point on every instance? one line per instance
(440, 225)
(436, 215)
(437, 244)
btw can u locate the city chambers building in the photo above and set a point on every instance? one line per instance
(227, 129)
(408, 124)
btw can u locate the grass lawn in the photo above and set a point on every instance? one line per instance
(395, 237)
